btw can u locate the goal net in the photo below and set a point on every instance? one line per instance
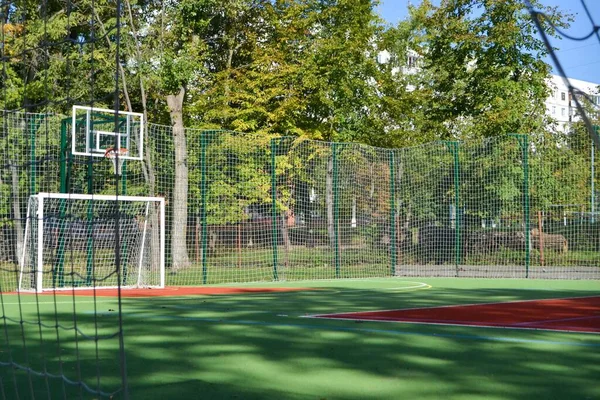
(80, 241)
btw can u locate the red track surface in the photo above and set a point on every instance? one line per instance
(172, 291)
(575, 314)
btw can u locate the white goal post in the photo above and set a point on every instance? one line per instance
(70, 242)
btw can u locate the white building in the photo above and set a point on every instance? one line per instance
(560, 106)
(413, 59)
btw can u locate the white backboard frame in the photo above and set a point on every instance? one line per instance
(136, 134)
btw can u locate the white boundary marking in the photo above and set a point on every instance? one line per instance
(477, 304)
(520, 327)
(319, 281)
(326, 316)
(459, 305)
(399, 289)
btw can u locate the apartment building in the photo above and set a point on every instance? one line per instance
(561, 107)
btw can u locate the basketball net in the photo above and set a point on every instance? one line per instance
(117, 157)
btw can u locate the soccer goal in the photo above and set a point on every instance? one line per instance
(78, 241)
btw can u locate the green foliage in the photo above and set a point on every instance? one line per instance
(238, 175)
(40, 77)
(492, 176)
(293, 68)
(481, 70)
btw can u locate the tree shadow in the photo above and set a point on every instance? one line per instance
(260, 346)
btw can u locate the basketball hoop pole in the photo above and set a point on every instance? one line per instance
(65, 156)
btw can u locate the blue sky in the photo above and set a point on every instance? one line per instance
(581, 59)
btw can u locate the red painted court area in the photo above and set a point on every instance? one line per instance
(171, 291)
(573, 315)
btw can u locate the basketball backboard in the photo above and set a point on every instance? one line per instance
(94, 131)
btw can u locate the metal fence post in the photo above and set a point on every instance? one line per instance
(523, 141)
(336, 210)
(393, 235)
(274, 205)
(453, 148)
(203, 190)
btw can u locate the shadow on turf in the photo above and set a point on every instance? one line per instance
(256, 347)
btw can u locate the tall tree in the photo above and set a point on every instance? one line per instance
(179, 31)
(481, 68)
(55, 55)
(295, 68)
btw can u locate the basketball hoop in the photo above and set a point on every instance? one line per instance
(117, 157)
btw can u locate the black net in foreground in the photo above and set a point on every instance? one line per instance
(587, 106)
(59, 57)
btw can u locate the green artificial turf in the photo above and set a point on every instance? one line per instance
(262, 346)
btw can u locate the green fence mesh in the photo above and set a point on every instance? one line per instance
(259, 208)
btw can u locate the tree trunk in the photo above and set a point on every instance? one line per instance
(147, 166)
(180, 258)
(150, 177)
(329, 202)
